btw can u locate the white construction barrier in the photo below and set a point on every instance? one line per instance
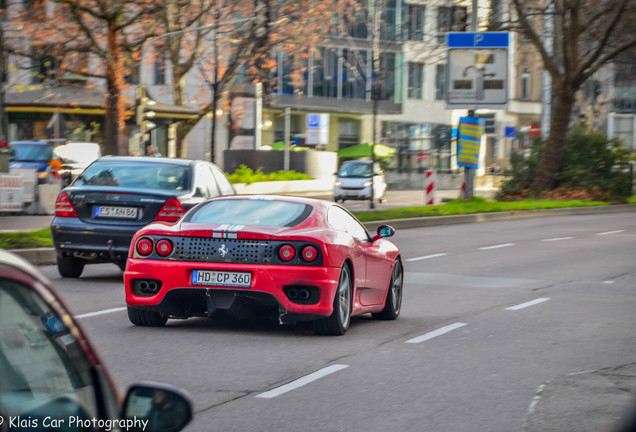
(11, 193)
(47, 196)
(29, 181)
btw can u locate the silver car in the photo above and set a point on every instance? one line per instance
(354, 179)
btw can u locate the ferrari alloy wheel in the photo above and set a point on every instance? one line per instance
(338, 322)
(393, 303)
(140, 317)
(70, 267)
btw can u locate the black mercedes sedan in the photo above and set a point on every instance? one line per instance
(97, 215)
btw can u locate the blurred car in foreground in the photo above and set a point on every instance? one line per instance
(289, 258)
(74, 158)
(354, 179)
(36, 155)
(51, 378)
(98, 214)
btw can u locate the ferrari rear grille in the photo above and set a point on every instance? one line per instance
(223, 250)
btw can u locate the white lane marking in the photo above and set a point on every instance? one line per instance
(427, 257)
(557, 239)
(610, 232)
(528, 304)
(101, 312)
(503, 245)
(301, 381)
(608, 282)
(435, 333)
(536, 399)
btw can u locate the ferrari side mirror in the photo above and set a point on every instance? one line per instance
(383, 231)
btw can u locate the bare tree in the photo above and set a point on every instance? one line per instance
(586, 35)
(105, 30)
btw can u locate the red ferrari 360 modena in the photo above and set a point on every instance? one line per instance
(290, 258)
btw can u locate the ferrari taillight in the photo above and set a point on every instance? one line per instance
(171, 211)
(64, 207)
(164, 247)
(286, 252)
(309, 253)
(144, 246)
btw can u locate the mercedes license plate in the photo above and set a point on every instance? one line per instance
(222, 278)
(116, 212)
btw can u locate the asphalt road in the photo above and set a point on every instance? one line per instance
(498, 319)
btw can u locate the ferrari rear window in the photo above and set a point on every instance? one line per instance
(259, 212)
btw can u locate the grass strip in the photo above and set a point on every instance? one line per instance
(26, 240)
(475, 205)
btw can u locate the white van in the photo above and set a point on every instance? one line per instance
(75, 156)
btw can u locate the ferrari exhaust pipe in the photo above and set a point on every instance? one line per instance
(152, 286)
(304, 294)
(292, 294)
(147, 286)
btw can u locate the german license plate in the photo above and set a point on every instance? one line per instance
(222, 278)
(116, 212)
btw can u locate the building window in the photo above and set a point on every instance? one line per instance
(325, 73)
(388, 28)
(440, 82)
(416, 81)
(387, 78)
(414, 19)
(354, 74)
(451, 19)
(290, 74)
(160, 70)
(525, 84)
(356, 25)
(43, 68)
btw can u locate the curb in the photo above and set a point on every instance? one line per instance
(47, 256)
(37, 256)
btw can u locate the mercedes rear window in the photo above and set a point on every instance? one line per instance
(136, 175)
(260, 212)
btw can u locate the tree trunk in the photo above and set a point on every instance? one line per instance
(111, 130)
(552, 156)
(114, 122)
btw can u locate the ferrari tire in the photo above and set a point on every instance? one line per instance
(121, 265)
(146, 318)
(70, 267)
(393, 302)
(340, 319)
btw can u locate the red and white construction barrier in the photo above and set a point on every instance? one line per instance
(429, 187)
(10, 193)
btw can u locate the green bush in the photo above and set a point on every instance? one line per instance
(590, 162)
(244, 174)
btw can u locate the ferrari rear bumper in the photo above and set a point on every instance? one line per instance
(289, 293)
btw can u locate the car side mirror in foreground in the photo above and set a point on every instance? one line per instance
(157, 407)
(383, 231)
